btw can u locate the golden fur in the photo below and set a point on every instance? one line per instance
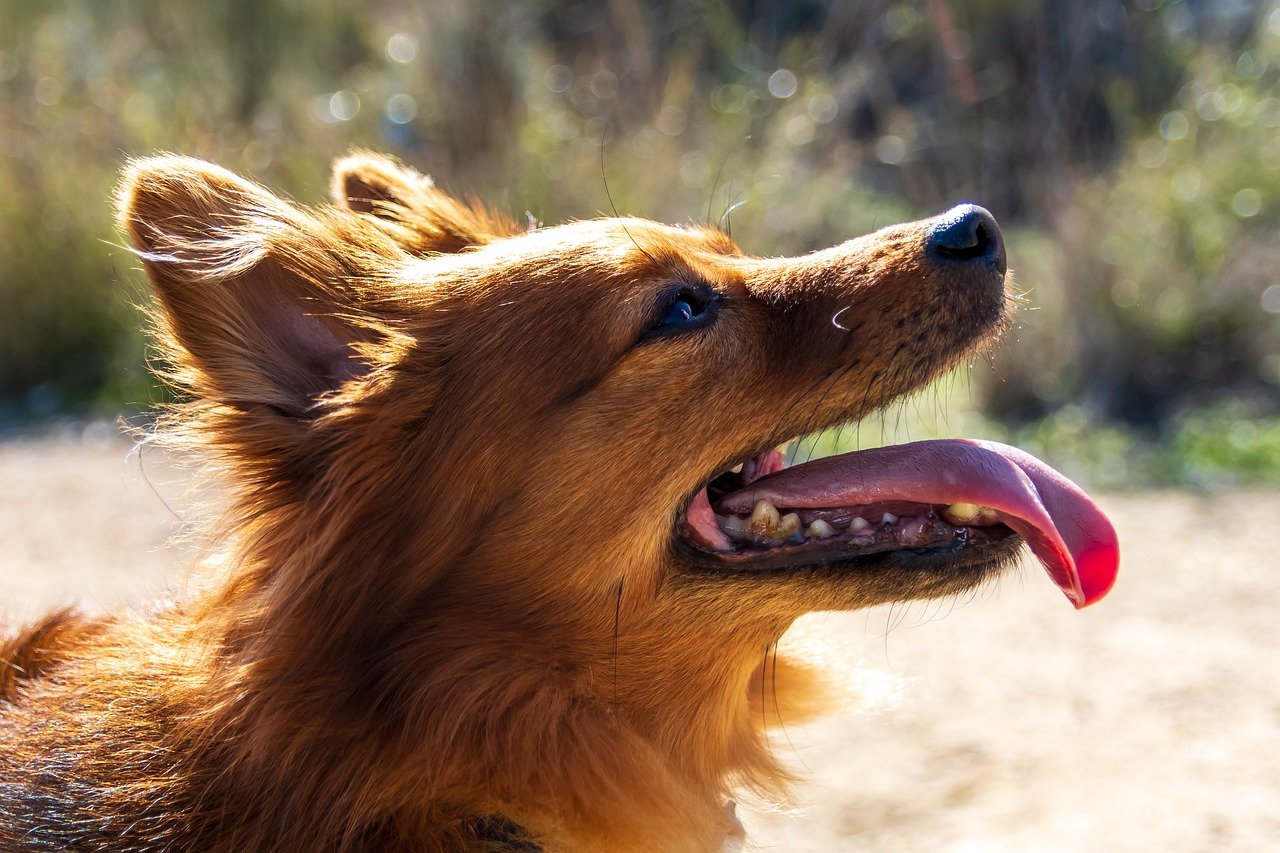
(451, 600)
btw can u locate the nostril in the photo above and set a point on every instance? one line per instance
(968, 234)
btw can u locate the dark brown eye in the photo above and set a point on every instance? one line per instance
(681, 308)
(685, 309)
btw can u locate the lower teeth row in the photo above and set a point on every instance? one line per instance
(768, 526)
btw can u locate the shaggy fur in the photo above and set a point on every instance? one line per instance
(450, 610)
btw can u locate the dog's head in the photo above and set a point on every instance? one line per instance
(576, 425)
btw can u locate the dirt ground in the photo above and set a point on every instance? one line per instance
(1009, 722)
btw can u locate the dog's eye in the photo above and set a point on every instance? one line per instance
(683, 307)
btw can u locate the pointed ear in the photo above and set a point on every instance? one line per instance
(368, 183)
(411, 208)
(259, 302)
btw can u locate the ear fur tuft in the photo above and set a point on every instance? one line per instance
(411, 208)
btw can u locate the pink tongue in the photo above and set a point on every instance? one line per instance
(1064, 528)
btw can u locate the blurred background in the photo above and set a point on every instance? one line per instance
(1130, 150)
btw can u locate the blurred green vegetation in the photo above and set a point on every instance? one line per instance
(1130, 149)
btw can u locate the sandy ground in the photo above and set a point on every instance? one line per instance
(1010, 722)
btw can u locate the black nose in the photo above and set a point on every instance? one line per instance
(967, 234)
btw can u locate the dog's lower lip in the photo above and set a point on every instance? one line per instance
(979, 556)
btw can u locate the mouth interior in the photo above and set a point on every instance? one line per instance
(766, 529)
(944, 496)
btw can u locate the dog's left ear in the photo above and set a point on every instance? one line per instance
(369, 183)
(410, 208)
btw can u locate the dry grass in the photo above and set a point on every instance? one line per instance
(1151, 721)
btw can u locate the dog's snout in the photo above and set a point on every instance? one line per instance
(967, 234)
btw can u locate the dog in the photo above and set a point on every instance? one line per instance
(509, 532)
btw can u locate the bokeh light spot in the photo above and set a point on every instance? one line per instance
(671, 120)
(799, 130)
(1211, 106)
(604, 85)
(401, 108)
(891, 150)
(344, 105)
(1248, 66)
(48, 91)
(783, 83)
(1174, 125)
(402, 48)
(257, 155)
(823, 108)
(1271, 299)
(598, 131)
(558, 78)
(1125, 293)
(731, 98)
(1269, 111)
(1247, 202)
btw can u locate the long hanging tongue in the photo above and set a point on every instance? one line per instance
(1064, 528)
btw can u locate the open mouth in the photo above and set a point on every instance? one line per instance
(952, 502)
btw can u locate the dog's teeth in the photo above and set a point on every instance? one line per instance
(732, 525)
(859, 524)
(736, 469)
(965, 513)
(819, 529)
(889, 518)
(764, 518)
(788, 526)
(961, 513)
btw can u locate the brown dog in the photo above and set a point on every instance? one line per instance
(493, 573)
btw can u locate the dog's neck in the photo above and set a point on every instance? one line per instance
(380, 715)
(450, 698)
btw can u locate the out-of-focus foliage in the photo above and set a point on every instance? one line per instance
(1129, 148)
(1165, 267)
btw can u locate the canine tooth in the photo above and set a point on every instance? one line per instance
(764, 518)
(889, 518)
(961, 513)
(788, 526)
(819, 529)
(736, 469)
(859, 524)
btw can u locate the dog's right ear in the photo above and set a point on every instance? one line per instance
(410, 208)
(262, 305)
